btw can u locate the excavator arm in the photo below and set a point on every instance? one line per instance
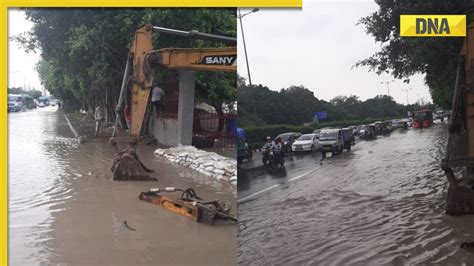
(460, 146)
(143, 60)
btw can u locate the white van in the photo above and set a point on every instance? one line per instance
(331, 140)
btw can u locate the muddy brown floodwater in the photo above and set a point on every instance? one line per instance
(381, 203)
(65, 208)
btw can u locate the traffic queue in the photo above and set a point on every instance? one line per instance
(325, 140)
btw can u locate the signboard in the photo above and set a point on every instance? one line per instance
(321, 115)
(432, 25)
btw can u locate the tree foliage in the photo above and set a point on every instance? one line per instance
(296, 105)
(403, 57)
(84, 51)
(33, 93)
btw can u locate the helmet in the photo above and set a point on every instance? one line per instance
(269, 138)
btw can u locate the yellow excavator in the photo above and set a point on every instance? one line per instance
(138, 77)
(460, 148)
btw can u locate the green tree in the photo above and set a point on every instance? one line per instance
(84, 51)
(403, 57)
(296, 105)
(33, 93)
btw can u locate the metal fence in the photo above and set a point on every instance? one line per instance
(213, 129)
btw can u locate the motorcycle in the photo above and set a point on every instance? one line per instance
(277, 159)
(266, 155)
(272, 158)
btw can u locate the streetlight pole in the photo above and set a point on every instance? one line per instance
(387, 82)
(14, 77)
(406, 90)
(243, 39)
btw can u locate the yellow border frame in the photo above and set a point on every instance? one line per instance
(80, 3)
(4, 135)
(156, 3)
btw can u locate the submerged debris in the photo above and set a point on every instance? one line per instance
(466, 245)
(128, 226)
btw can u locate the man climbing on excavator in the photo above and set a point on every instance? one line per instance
(139, 72)
(157, 99)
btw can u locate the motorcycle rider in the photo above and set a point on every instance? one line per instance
(267, 148)
(269, 144)
(277, 149)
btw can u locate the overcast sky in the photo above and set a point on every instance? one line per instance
(316, 47)
(21, 65)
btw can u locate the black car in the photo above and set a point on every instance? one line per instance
(288, 139)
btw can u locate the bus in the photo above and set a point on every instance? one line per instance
(422, 118)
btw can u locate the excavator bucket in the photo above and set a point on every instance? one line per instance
(127, 166)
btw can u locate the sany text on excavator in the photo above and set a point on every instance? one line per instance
(139, 71)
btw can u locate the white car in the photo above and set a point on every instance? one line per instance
(307, 142)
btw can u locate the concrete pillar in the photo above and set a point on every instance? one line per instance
(187, 80)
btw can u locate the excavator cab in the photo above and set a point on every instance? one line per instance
(139, 72)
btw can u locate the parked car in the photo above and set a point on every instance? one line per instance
(378, 127)
(357, 130)
(15, 102)
(395, 123)
(307, 142)
(13, 107)
(288, 139)
(404, 123)
(331, 140)
(368, 132)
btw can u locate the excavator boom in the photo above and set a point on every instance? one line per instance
(210, 59)
(145, 60)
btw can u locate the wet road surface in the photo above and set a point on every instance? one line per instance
(65, 208)
(381, 203)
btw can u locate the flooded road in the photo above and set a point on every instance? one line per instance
(381, 203)
(65, 208)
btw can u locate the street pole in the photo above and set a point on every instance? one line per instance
(14, 78)
(406, 90)
(387, 82)
(243, 39)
